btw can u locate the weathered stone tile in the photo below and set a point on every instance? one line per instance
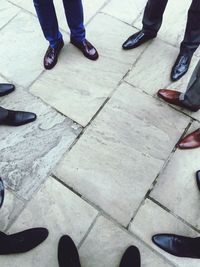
(28, 153)
(11, 208)
(127, 10)
(176, 188)
(106, 244)
(77, 87)
(90, 9)
(152, 71)
(61, 212)
(7, 11)
(21, 57)
(174, 22)
(121, 153)
(151, 219)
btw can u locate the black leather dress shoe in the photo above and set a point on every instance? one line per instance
(17, 118)
(51, 56)
(136, 40)
(179, 246)
(6, 88)
(198, 179)
(88, 50)
(23, 241)
(180, 67)
(67, 253)
(131, 258)
(1, 192)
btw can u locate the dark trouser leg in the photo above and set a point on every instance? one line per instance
(153, 16)
(3, 113)
(74, 16)
(192, 95)
(192, 33)
(47, 16)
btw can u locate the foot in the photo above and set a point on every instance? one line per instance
(1, 193)
(180, 67)
(51, 56)
(67, 253)
(173, 97)
(88, 50)
(136, 40)
(131, 258)
(23, 241)
(6, 89)
(179, 246)
(17, 118)
(190, 141)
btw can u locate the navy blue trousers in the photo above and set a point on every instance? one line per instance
(48, 20)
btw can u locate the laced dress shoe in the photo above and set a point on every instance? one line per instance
(88, 50)
(17, 118)
(1, 192)
(131, 258)
(191, 140)
(136, 40)
(173, 97)
(179, 246)
(67, 253)
(51, 56)
(22, 242)
(180, 67)
(6, 88)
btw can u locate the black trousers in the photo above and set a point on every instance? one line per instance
(152, 21)
(3, 113)
(192, 95)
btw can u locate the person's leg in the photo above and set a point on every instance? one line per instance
(192, 95)
(74, 16)
(153, 16)
(192, 33)
(47, 17)
(152, 20)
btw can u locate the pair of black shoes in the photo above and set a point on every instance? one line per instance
(180, 246)
(11, 117)
(183, 60)
(68, 255)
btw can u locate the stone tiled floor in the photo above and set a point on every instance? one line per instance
(100, 162)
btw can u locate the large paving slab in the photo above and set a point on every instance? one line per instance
(8, 11)
(127, 10)
(78, 87)
(152, 219)
(106, 244)
(152, 71)
(11, 208)
(61, 212)
(174, 22)
(28, 153)
(21, 60)
(116, 160)
(90, 9)
(176, 187)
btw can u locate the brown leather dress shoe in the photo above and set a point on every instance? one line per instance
(87, 49)
(51, 56)
(190, 141)
(173, 97)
